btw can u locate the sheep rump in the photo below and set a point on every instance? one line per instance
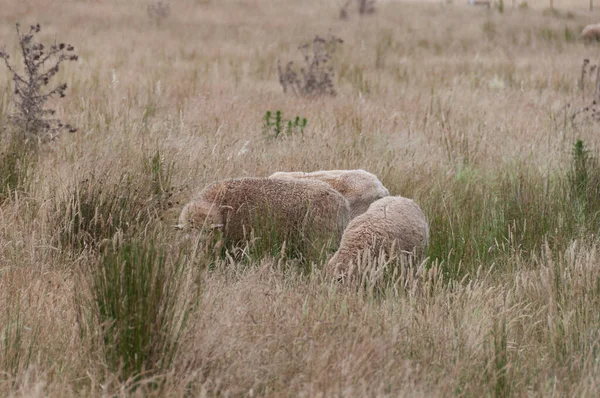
(393, 226)
(359, 187)
(305, 213)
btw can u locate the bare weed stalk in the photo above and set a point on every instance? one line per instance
(33, 88)
(364, 7)
(315, 78)
(590, 77)
(158, 11)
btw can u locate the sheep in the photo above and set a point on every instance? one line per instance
(393, 224)
(307, 214)
(591, 32)
(359, 187)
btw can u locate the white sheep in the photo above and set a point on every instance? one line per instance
(307, 214)
(359, 187)
(393, 227)
(591, 32)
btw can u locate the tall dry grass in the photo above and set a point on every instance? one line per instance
(460, 108)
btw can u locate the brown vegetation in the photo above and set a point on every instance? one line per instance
(460, 108)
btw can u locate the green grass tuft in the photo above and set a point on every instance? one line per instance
(485, 219)
(136, 300)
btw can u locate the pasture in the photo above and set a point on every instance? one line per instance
(476, 114)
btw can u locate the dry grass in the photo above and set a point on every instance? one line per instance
(457, 107)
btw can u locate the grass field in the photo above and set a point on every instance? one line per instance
(466, 110)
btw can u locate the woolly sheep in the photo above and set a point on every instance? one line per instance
(303, 211)
(393, 221)
(591, 32)
(359, 187)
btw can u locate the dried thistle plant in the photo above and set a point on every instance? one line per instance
(344, 10)
(315, 78)
(590, 77)
(31, 89)
(159, 11)
(365, 7)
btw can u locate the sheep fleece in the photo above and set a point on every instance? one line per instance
(591, 32)
(359, 187)
(393, 220)
(237, 205)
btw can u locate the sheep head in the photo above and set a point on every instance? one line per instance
(201, 215)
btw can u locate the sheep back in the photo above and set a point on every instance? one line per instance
(393, 221)
(304, 212)
(591, 32)
(359, 187)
